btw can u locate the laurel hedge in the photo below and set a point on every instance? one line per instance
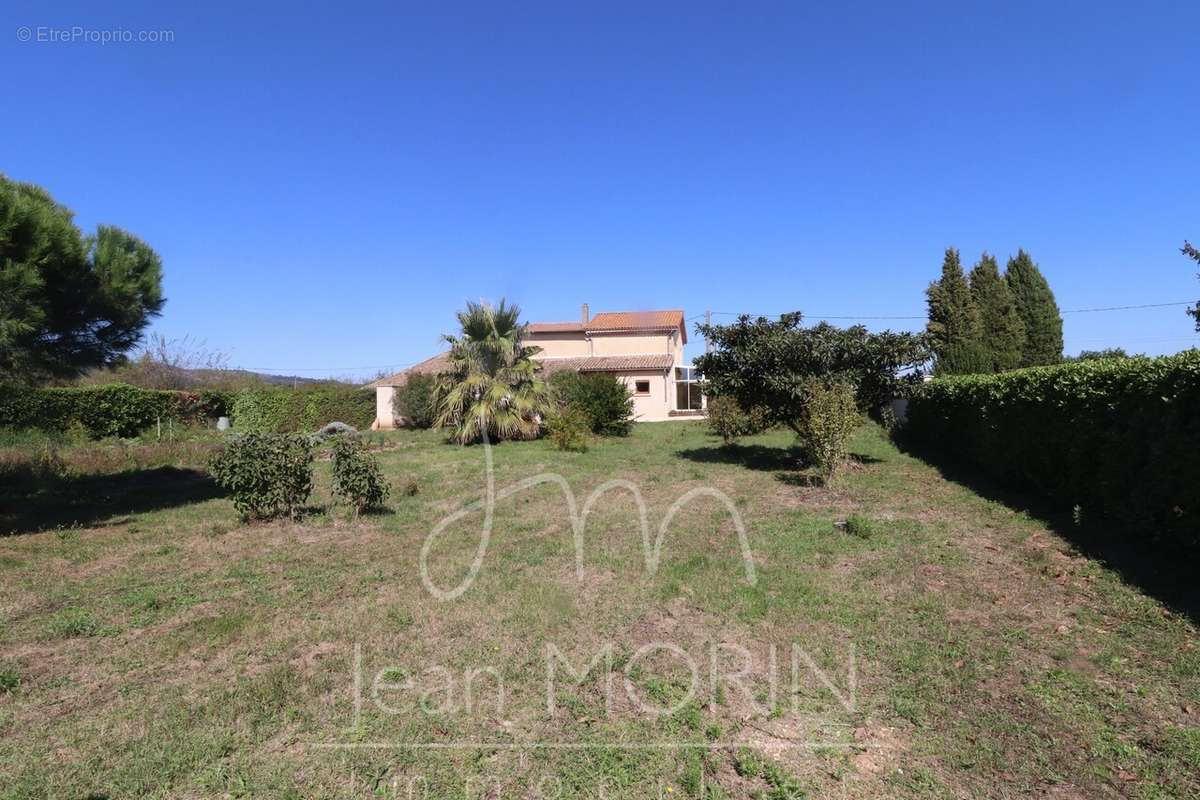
(1115, 440)
(113, 410)
(278, 409)
(122, 410)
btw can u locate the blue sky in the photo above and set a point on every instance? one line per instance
(326, 185)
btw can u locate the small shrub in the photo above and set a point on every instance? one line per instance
(569, 429)
(10, 679)
(604, 401)
(408, 487)
(729, 420)
(859, 526)
(414, 401)
(830, 418)
(357, 478)
(268, 474)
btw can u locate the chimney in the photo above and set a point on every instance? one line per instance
(586, 319)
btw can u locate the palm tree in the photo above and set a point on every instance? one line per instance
(491, 387)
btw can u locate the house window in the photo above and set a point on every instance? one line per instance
(641, 387)
(687, 389)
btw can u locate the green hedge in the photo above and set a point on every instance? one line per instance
(1119, 439)
(284, 410)
(121, 410)
(114, 410)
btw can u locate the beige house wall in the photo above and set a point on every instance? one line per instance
(628, 344)
(560, 345)
(384, 420)
(650, 407)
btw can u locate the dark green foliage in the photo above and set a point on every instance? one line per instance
(602, 399)
(830, 418)
(954, 317)
(10, 679)
(1038, 311)
(1002, 333)
(268, 474)
(116, 410)
(766, 363)
(1120, 438)
(357, 478)
(568, 428)
(964, 358)
(414, 401)
(729, 420)
(1191, 252)
(68, 302)
(1097, 355)
(279, 409)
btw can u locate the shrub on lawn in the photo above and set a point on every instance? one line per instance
(268, 474)
(603, 400)
(414, 401)
(829, 418)
(357, 478)
(729, 420)
(1120, 438)
(280, 409)
(569, 429)
(10, 679)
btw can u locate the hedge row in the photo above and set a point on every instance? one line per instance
(114, 410)
(283, 410)
(121, 410)
(1117, 439)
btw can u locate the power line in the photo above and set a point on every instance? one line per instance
(923, 316)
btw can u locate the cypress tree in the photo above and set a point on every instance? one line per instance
(953, 315)
(1003, 331)
(1191, 252)
(1037, 310)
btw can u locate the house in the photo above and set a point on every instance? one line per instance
(643, 349)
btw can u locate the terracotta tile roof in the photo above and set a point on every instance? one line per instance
(430, 366)
(639, 321)
(556, 327)
(613, 321)
(655, 362)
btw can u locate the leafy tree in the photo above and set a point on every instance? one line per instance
(415, 401)
(1100, 355)
(767, 364)
(491, 387)
(1191, 252)
(1003, 332)
(68, 302)
(1038, 311)
(953, 315)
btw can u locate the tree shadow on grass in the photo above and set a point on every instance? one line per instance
(1163, 570)
(750, 456)
(88, 500)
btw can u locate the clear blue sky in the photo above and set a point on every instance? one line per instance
(326, 186)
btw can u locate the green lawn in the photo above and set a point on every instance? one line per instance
(161, 648)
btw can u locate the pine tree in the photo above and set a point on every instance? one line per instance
(953, 315)
(1038, 311)
(1003, 331)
